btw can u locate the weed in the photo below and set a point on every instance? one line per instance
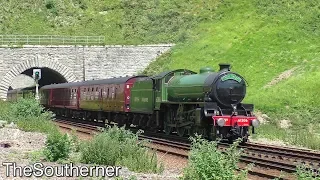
(36, 156)
(57, 147)
(304, 173)
(206, 162)
(75, 142)
(117, 146)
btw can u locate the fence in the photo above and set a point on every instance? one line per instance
(50, 40)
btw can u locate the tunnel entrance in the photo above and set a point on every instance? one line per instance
(48, 76)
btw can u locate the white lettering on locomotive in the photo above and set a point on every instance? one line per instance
(144, 99)
(242, 120)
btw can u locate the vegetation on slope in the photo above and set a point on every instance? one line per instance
(262, 39)
(120, 21)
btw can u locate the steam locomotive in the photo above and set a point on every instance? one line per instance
(179, 102)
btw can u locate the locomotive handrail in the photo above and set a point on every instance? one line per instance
(50, 40)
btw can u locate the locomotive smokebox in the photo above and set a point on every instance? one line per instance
(224, 66)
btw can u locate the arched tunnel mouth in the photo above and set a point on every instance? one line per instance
(48, 76)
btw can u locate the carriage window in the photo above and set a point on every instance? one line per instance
(97, 89)
(92, 89)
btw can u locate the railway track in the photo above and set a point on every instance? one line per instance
(181, 149)
(269, 161)
(79, 127)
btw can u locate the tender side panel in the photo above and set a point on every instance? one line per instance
(142, 97)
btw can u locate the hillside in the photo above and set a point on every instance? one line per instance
(275, 46)
(120, 21)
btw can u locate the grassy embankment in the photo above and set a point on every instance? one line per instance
(262, 39)
(120, 21)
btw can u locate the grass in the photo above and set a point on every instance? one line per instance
(262, 39)
(120, 21)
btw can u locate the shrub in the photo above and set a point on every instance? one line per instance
(5, 111)
(28, 108)
(75, 142)
(57, 147)
(117, 146)
(29, 115)
(206, 162)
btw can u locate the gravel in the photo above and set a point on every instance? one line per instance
(16, 145)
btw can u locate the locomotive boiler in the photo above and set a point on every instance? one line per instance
(207, 103)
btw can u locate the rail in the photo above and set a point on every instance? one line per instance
(50, 40)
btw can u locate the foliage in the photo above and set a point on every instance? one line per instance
(37, 124)
(75, 142)
(303, 173)
(29, 115)
(262, 39)
(29, 108)
(5, 111)
(117, 146)
(36, 156)
(58, 146)
(206, 162)
(120, 21)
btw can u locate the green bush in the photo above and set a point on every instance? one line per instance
(206, 162)
(26, 108)
(117, 146)
(29, 115)
(5, 111)
(58, 147)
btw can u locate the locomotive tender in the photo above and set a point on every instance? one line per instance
(178, 102)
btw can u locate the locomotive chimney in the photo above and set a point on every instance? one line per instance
(224, 66)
